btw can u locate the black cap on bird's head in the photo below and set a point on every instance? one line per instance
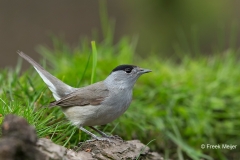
(127, 68)
(124, 67)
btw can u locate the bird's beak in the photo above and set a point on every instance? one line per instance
(142, 70)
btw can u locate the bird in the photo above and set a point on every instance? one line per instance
(96, 104)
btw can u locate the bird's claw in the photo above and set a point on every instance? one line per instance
(115, 137)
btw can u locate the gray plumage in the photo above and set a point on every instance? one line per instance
(96, 104)
(84, 96)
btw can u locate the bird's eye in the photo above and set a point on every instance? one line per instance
(128, 70)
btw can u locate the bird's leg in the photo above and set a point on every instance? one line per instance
(104, 138)
(89, 133)
(93, 135)
(100, 132)
(105, 135)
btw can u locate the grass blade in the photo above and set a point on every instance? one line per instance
(94, 61)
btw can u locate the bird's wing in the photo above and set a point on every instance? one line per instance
(89, 95)
(58, 88)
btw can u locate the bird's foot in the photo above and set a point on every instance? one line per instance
(99, 139)
(106, 138)
(115, 137)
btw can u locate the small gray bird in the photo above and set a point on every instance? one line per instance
(96, 104)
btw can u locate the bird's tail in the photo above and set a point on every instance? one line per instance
(58, 88)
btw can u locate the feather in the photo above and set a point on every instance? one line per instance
(58, 88)
(89, 95)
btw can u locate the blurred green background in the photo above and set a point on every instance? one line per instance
(193, 26)
(191, 97)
